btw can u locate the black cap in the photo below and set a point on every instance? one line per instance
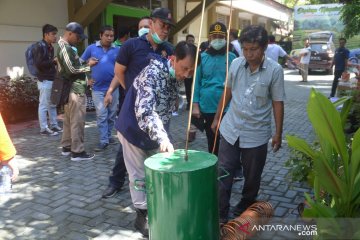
(217, 28)
(76, 28)
(164, 14)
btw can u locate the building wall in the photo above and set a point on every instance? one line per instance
(20, 25)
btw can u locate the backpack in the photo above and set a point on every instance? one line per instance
(29, 57)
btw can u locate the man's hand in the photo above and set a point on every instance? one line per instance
(108, 99)
(276, 142)
(166, 146)
(214, 124)
(196, 111)
(90, 82)
(92, 62)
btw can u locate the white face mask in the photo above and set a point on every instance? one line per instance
(217, 43)
(143, 31)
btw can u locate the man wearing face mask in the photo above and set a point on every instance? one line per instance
(210, 79)
(132, 58)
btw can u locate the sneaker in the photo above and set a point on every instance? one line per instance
(241, 207)
(175, 114)
(57, 129)
(48, 132)
(110, 192)
(66, 151)
(141, 222)
(81, 156)
(101, 147)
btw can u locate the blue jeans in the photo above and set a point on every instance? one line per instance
(105, 116)
(45, 106)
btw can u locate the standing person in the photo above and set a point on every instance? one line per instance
(190, 39)
(340, 61)
(71, 69)
(101, 75)
(305, 54)
(144, 116)
(255, 87)
(275, 51)
(7, 151)
(132, 58)
(123, 35)
(209, 81)
(235, 45)
(46, 66)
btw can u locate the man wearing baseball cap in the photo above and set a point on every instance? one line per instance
(71, 69)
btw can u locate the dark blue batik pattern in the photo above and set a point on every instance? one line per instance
(155, 99)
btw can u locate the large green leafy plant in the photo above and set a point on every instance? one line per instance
(336, 163)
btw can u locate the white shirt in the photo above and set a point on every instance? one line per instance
(237, 47)
(305, 59)
(273, 51)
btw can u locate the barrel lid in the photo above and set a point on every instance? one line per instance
(175, 162)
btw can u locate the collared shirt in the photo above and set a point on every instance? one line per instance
(237, 47)
(274, 51)
(341, 56)
(209, 81)
(249, 116)
(306, 58)
(133, 54)
(103, 71)
(148, 106)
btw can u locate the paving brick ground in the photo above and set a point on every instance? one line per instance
(56, 198)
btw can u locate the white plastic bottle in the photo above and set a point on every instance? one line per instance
(5, 180)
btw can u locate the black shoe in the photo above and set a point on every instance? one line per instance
(110, 192)
(57, 129)
(66, 151)
(242, 206)
(81, 156)
(101, 147)
(141, 222)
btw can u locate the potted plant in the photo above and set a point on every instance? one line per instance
(336, 167)
(18, 98)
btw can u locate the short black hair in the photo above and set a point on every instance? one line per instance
(271, 38)
(106, 28)
(48, 28)
(343, 39)
(254, 34)
(122, 31)
(145, 17)
(188, 36)
(234, 34)
(184, 49)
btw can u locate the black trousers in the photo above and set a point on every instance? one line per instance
(210, 135)
(117, 178)
(230, 158)
(337, 75)
(188, 84)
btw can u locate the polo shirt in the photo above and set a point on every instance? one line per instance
(103, 71)
(274, 51)
(134, 55)
(249, 116)
(341, 55)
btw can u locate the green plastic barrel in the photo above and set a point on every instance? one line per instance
(182, 196)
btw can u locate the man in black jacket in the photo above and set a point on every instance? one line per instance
(45, 64)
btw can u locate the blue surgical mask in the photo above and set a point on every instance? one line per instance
(217, 43)
(156, 38)
(143, 31)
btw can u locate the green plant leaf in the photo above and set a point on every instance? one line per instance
(355, 155)
(317, 210)
(329, 180)
(347, 104)
(300, 145)
(327, 124)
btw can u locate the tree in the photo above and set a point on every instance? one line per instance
(350, 16)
